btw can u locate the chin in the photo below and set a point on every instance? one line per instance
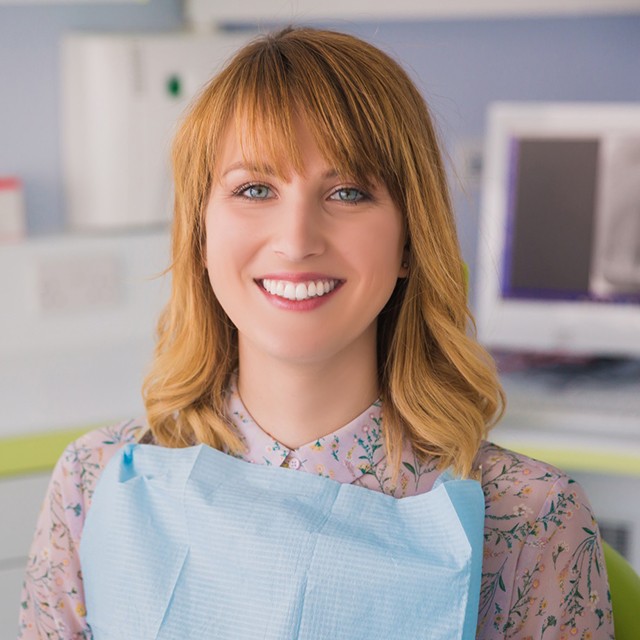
(300, 354)
(295, 349)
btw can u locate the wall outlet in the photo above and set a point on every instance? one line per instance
(468, 159)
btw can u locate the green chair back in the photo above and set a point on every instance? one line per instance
(624, 585)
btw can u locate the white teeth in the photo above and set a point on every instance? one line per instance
(298, 290)
(290, 291)
(301, 291)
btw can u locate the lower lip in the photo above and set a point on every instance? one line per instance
(298, 305)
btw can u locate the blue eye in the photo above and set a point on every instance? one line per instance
(254, 191)
(349, 195)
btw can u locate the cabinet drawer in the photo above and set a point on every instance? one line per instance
(10, 588)
(20, 501)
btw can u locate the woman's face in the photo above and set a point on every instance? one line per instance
(303, 265)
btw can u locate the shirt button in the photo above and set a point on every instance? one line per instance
(294, 463)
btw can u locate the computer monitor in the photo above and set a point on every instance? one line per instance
(559, 244)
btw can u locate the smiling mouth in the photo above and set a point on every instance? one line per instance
(299, 290)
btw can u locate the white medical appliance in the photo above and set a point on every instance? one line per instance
(122, 97)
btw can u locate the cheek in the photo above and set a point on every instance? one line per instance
(385, 242)
(218, 255)
(227, 240)
(231, 251)
(222, 270)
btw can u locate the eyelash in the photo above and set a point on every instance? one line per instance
(240, 193)
(364, 195)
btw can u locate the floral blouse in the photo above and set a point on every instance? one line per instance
(543, 576)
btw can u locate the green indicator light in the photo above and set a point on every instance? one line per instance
(174, 86)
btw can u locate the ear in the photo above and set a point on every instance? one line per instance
(403, 272)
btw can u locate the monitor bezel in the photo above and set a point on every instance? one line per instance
(554, 326)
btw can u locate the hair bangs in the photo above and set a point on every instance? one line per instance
(264, 115)
(281, 84)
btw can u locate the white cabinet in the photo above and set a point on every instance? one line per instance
(77, 321)
(20, 501)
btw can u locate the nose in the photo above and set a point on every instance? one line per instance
(299, 233)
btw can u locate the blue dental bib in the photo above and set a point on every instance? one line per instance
(193, 543)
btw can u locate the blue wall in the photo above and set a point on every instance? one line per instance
(461, 66)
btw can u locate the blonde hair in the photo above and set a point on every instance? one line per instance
(438, 386)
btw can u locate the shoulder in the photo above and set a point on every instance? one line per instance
(83, 460)
(527, 501)
(506, 472)
(491, 456)
(105, 441)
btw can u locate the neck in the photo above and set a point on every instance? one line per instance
(299, 403)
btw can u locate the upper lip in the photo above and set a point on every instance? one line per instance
(298, 277)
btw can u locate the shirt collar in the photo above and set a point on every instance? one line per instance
(344, 455)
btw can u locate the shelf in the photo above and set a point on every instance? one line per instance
(205, 12)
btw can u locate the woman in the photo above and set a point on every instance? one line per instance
(317, 328)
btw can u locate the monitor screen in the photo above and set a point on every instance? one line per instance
(559, 255)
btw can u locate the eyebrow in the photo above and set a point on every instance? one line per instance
(268, 170)
(251, 168)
